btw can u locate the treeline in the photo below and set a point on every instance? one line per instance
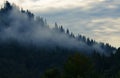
(15, 21)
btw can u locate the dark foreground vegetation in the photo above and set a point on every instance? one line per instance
(81, 66)
(30, 49)
(30, 62)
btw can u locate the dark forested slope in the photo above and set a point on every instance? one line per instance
(28, 46)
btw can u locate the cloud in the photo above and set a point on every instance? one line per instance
(45, 5)
(107, 30)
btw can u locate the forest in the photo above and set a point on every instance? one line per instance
(29, 48)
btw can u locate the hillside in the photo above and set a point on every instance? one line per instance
(22, 26)
(28, 46)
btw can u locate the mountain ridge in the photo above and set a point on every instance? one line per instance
(21, 21)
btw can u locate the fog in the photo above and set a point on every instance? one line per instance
(29, 29)
(23, 27)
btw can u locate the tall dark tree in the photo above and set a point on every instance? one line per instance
(68, 32)
(62, 29)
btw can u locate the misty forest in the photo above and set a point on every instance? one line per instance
(30, 48)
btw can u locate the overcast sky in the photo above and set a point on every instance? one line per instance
(97, 19)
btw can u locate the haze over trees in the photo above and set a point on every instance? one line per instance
(29, 48)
